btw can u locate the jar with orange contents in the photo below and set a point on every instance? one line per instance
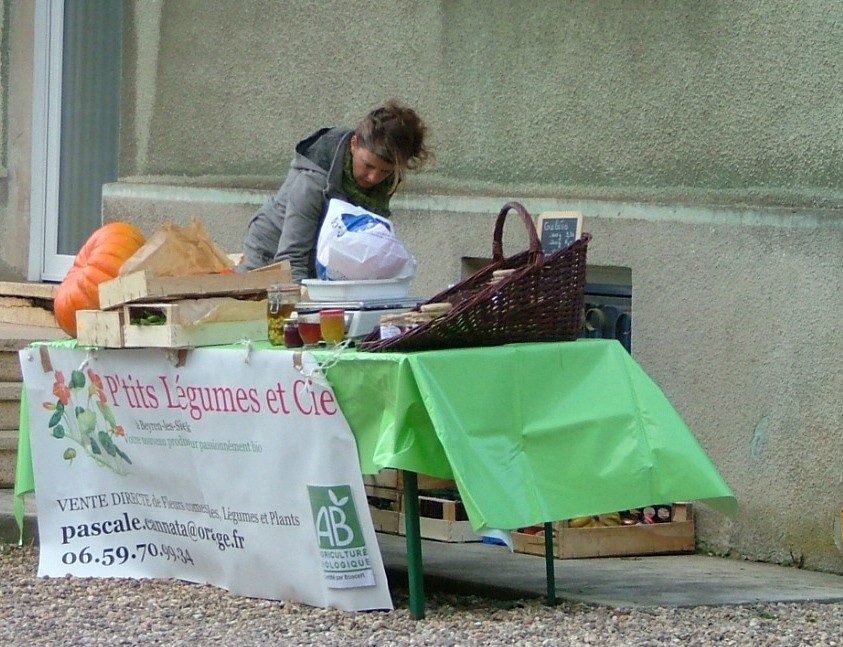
(332, 325)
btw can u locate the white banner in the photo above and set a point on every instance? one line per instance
(214, 465)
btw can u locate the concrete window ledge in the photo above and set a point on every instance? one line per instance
(224, 212)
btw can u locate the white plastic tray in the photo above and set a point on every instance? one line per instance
(357, 290)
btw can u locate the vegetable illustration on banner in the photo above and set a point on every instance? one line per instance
(81, 414)
(342, 545)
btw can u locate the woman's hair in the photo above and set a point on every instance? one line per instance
(395, 133)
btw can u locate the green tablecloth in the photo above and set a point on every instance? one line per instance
(530, 432)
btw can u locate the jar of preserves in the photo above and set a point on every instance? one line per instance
(309, 328)
(292, 338)
(281, 300)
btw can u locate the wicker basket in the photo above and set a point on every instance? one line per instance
(541, 300)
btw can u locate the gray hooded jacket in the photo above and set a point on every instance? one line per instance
(287, 226)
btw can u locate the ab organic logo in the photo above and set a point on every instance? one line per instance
(342, 545)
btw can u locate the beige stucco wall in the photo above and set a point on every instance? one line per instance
(702, 141)
(710, 101)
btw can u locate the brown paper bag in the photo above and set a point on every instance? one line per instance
(178, 251)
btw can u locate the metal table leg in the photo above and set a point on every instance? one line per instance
(415, 568)
(550, 573)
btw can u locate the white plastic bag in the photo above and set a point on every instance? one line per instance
(355, 244)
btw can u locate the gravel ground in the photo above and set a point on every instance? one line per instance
(76, 611)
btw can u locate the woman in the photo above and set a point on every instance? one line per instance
(362, 166)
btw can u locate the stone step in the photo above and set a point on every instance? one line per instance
(27, 304)
(10, 366)
(10, 405)
(13, 337)
(10, 391)
(9, 423)
(8, 457)
(27, 290)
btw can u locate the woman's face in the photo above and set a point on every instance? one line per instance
(368, 169)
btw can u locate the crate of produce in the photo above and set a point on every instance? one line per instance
(192, 323)
(530, 541)
(616, 535)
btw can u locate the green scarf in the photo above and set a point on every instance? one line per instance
(375, 199)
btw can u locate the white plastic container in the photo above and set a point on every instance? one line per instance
(357, 290)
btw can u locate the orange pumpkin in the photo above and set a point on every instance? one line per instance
(99, 260)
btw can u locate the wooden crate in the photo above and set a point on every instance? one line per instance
(180, 331)
(145, 287)
(114, 328)
(385, 521)
(532, 543)
(192, 312)
(393, 478)
(387, 478)
(213, 334)
(455, 532)
(378, 492)
(384, 506)
(674, 537)
(442, 520)
(100, 328)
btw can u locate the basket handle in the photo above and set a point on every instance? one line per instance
(497, 240)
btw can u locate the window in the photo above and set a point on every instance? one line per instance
(76, 126)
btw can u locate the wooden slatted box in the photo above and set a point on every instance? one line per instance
(674, 537)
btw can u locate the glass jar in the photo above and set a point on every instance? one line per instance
(332, 325)
(309, 328)
(281, 300)
(292, 338)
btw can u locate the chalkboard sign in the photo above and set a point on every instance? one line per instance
(558, 229)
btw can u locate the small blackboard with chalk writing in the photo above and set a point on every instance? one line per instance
(558, 229)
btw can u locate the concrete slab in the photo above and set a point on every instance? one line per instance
(629, 582)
